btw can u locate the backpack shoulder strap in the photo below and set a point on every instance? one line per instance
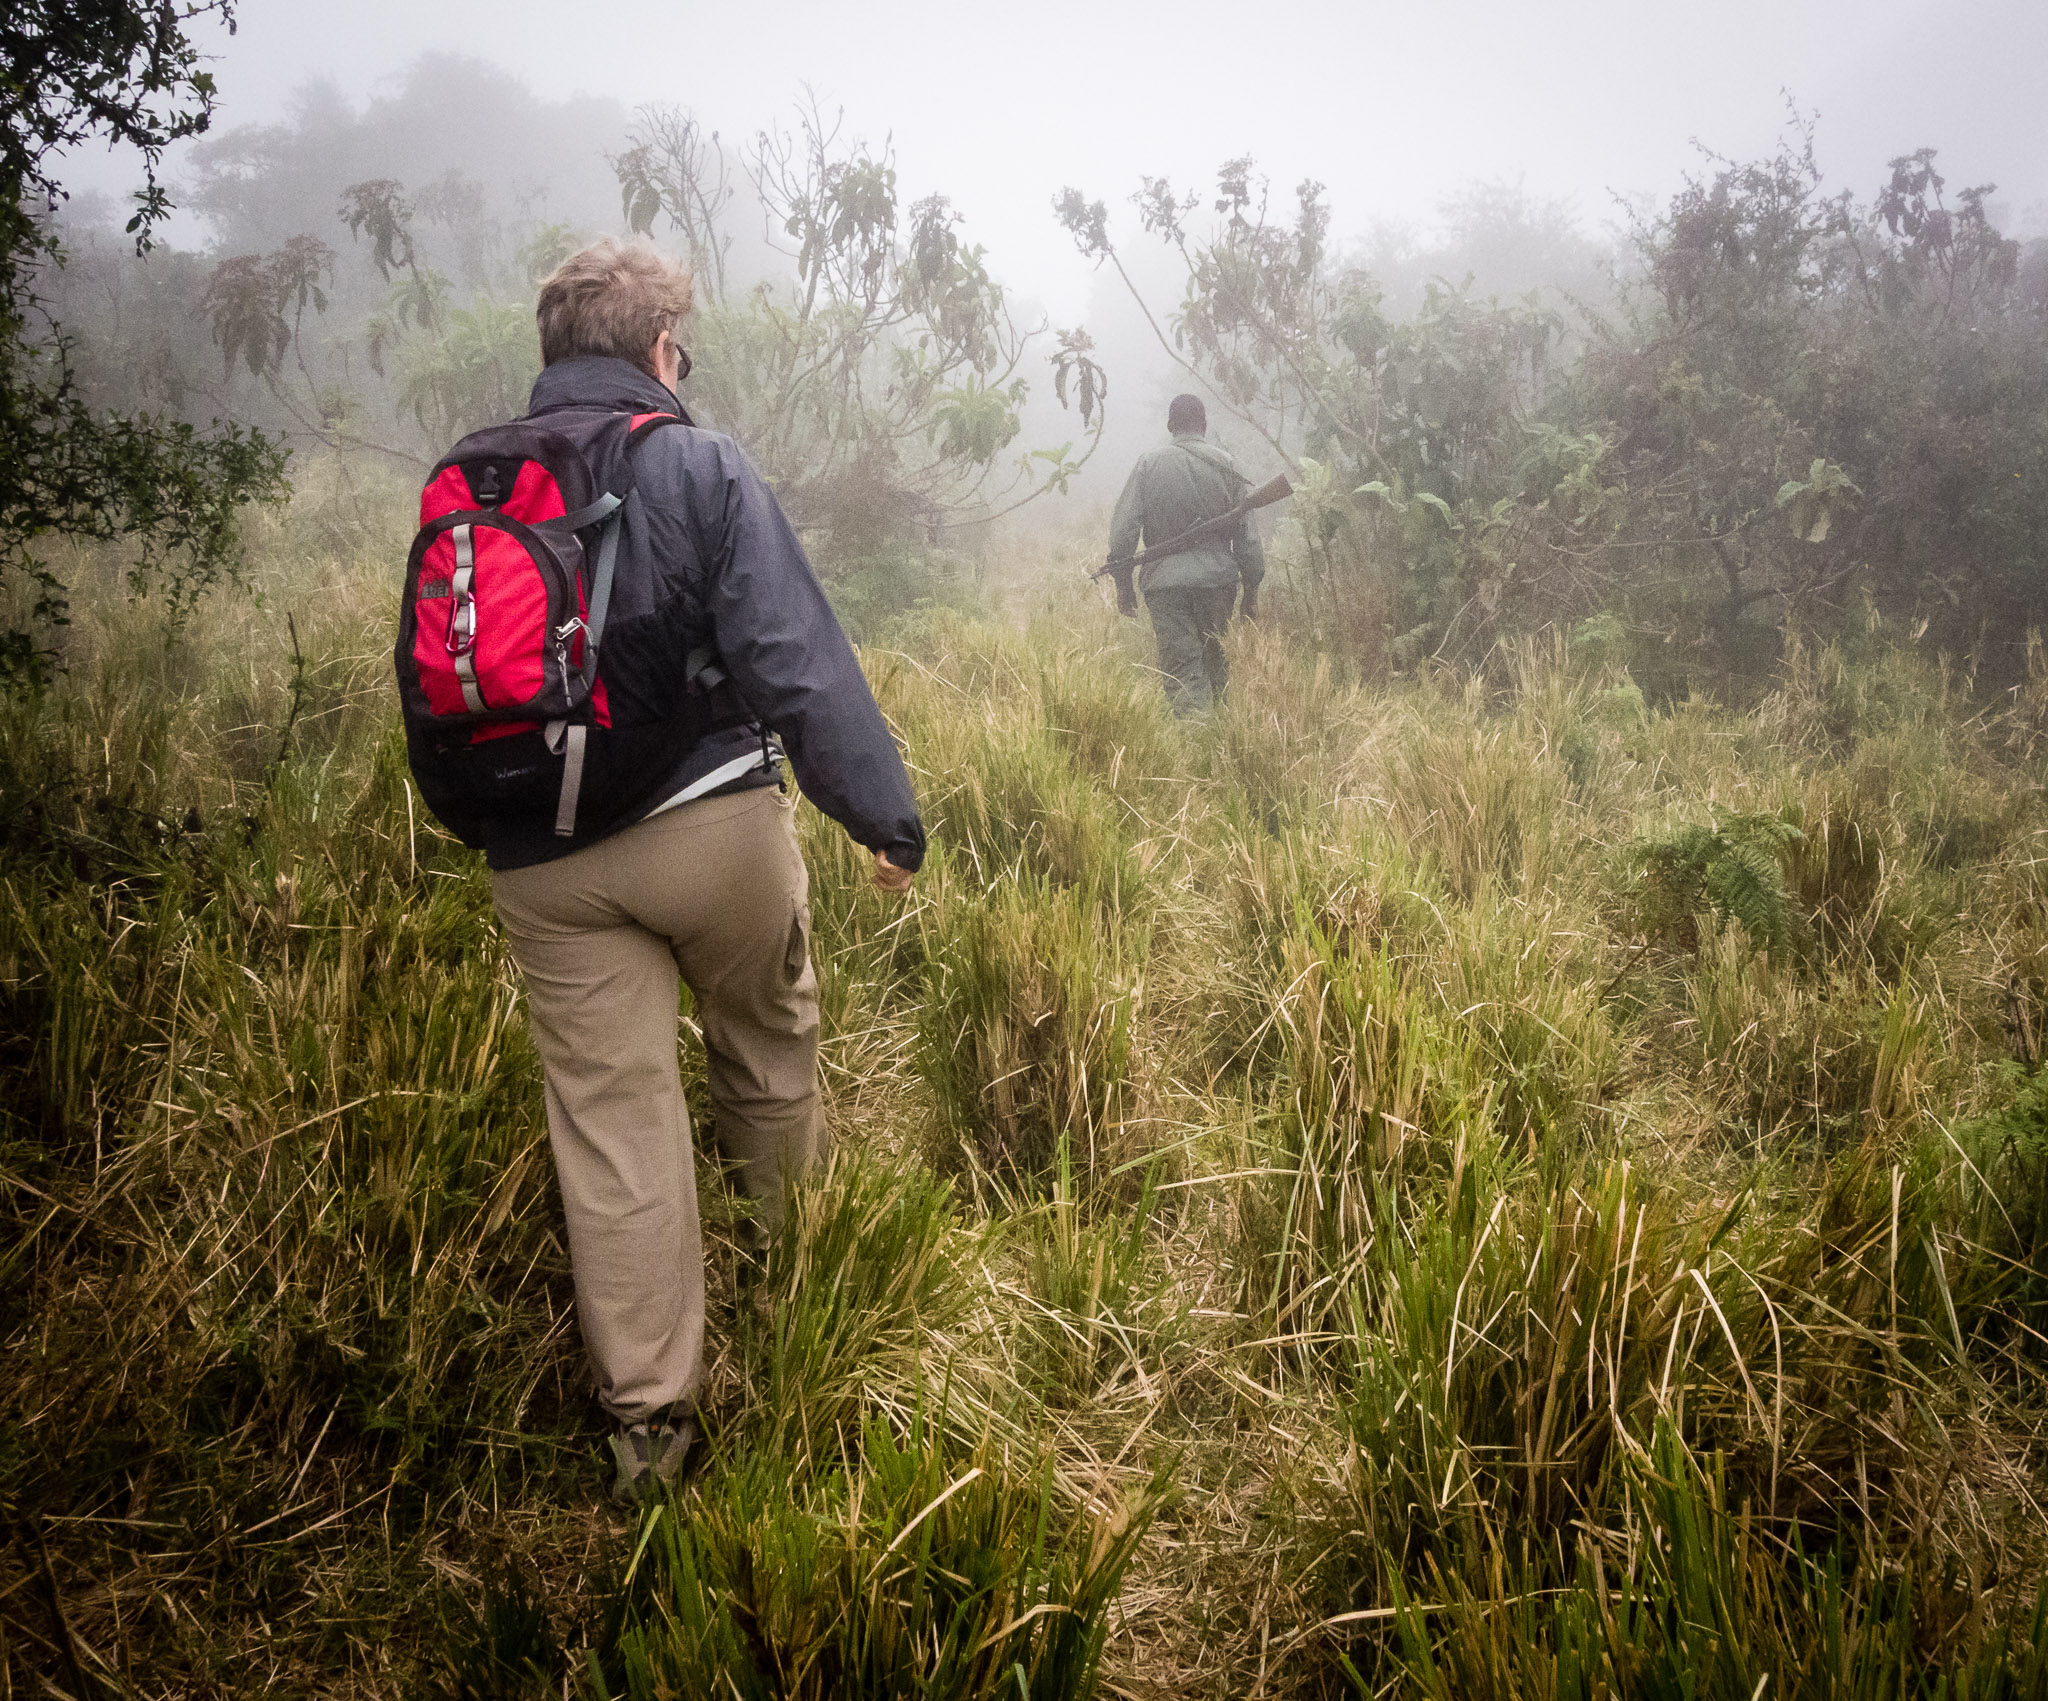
(608, 510)
(645, 424)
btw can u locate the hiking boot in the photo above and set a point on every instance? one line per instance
(649, 1455)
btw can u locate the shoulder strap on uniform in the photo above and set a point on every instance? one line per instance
(1209, 456)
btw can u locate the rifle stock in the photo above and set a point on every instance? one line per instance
(1275, 489)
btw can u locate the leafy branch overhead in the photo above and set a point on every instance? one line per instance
(1810, 502)
(881, 378)
(1075, 362)
(459, 367)
(130, 74)
(249, 297)
(676, 173)
(378, 212)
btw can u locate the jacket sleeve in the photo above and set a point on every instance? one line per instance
(783, 648)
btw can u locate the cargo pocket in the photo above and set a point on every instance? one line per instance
(799, 951)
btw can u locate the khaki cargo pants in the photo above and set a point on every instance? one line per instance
(714, 893)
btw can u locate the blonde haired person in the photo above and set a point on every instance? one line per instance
(719, 655)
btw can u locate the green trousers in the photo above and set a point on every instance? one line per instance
(1189, 623)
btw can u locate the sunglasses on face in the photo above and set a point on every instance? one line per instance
(675, 341)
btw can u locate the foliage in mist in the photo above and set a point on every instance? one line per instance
(129, 74)
(879, 377)
(864, 353)
(1790, 403)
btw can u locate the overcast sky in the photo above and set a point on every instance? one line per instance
(1391, 105)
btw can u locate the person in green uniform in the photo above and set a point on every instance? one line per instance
(1190, 593)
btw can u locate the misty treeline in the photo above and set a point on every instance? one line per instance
(1789, 407)
(1768, 406)
(370, 282)
(70, 465)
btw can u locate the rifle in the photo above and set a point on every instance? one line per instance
(1273, 490)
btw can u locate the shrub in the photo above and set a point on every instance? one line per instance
(1830, 1061)
(1734, 869)
(1281, 734)
(1027, 1027)
(1109, 718)
(1508, 1352)
(1710, 1606)
(1008, 805)
(1485, 802)
(1515, 1356)
(1097, 1311)
(863, 1269)
(910, 1571)
(872, 593)
(2003, 1218)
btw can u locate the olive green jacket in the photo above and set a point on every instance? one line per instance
(1173, 490)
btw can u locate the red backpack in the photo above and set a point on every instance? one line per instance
(500, 623)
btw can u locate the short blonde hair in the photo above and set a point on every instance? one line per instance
(613, 298)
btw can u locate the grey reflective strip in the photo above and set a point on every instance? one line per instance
(465, 675)
(600, 597)
(463, 585)
(589, 514)
(572, 782)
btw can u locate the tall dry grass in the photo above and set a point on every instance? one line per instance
(1392, 1188)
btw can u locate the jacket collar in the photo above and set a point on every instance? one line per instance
(600, 381)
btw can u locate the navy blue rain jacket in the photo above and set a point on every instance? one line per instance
(705, 554)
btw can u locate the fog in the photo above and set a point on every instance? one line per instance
(1544, 124)
(1393, 106)
(1459, 1106)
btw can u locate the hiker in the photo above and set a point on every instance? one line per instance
(632, 808)
(1190, 593)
